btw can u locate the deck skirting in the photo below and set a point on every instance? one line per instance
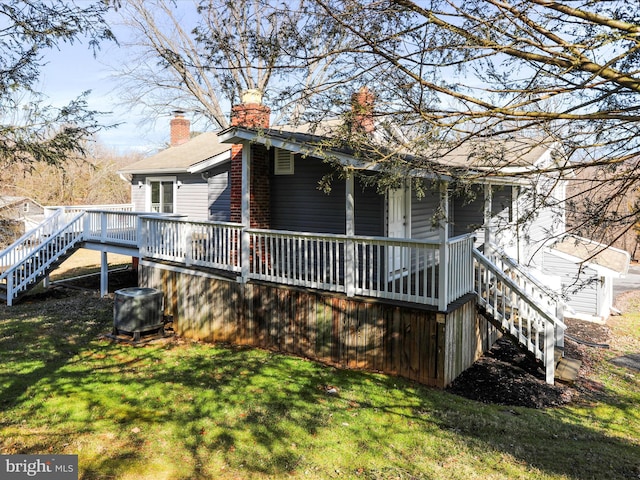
(423, 345)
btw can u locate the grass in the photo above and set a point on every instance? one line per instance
(181, 410)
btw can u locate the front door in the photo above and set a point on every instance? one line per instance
(397, 257)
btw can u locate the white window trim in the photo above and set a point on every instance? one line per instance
(147, 193)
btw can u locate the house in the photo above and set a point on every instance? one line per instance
(190, 178)
(18, 215)
(412, 282)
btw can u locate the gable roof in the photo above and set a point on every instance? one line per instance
(204, 149)
(506, 156)
(9, 201)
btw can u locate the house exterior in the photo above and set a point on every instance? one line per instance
(418, 285)
(17, 215)
(190, 178)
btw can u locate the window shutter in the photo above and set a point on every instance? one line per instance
(283, 162)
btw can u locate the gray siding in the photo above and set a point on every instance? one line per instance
(468, 209)
(583, 292)
(422, 214)
(191, 197)
(219, 194)
(138, 193)
(298, 205)
(540, 219)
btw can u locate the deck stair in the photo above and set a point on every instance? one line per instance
(33, 256)
(522, 308)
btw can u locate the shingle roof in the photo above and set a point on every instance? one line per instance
(594, 253)
(179, 158)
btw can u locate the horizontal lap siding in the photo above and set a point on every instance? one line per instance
(298, 205)
(345, 332)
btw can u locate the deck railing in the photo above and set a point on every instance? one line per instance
(107, 226)
(206, 244)
(390, 268)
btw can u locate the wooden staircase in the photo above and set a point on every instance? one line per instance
(26, 262)
(523, 309)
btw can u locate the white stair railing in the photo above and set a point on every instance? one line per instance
(520, 314)
(22, 248)
(29, 270)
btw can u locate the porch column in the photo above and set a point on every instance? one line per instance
(245, 203)
(349, 271)
(443, 279)
(488, 200)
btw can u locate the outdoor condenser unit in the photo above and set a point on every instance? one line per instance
(138, 310)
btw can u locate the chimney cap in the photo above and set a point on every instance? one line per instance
(178, 113)
(253, 95)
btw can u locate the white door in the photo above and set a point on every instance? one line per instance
(397, 257)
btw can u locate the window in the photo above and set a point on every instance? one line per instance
(161, 195)
(25, 207)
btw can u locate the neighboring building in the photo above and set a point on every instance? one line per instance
(18, 215)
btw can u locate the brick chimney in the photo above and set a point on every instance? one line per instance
(362, 109)
(251, 114)
(180, 129)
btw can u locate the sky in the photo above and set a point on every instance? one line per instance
(73, 69)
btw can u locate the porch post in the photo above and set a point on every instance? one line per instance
(349, 270)
(245, 242)
(488, 200)
(104, 275)
(443, 279)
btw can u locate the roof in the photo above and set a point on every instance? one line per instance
(7, 200)
(508, 155)
(187, 157)
(593, 253)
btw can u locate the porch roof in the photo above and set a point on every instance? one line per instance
(193, 156)
(508, 156)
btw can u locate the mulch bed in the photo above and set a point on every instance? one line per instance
(507, 376)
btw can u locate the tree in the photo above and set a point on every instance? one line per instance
(31, 130)
(452, 72)
(200, 56)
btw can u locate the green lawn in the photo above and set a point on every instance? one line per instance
(179, 410)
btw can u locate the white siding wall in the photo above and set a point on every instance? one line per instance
(540, 218)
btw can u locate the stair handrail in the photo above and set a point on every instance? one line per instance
(551, 326)
(19, 276)
(20, 248)
(543, 290)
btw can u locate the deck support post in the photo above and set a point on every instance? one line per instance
(245, 240)
(549, 352)
(104, 275)
(443, 278)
